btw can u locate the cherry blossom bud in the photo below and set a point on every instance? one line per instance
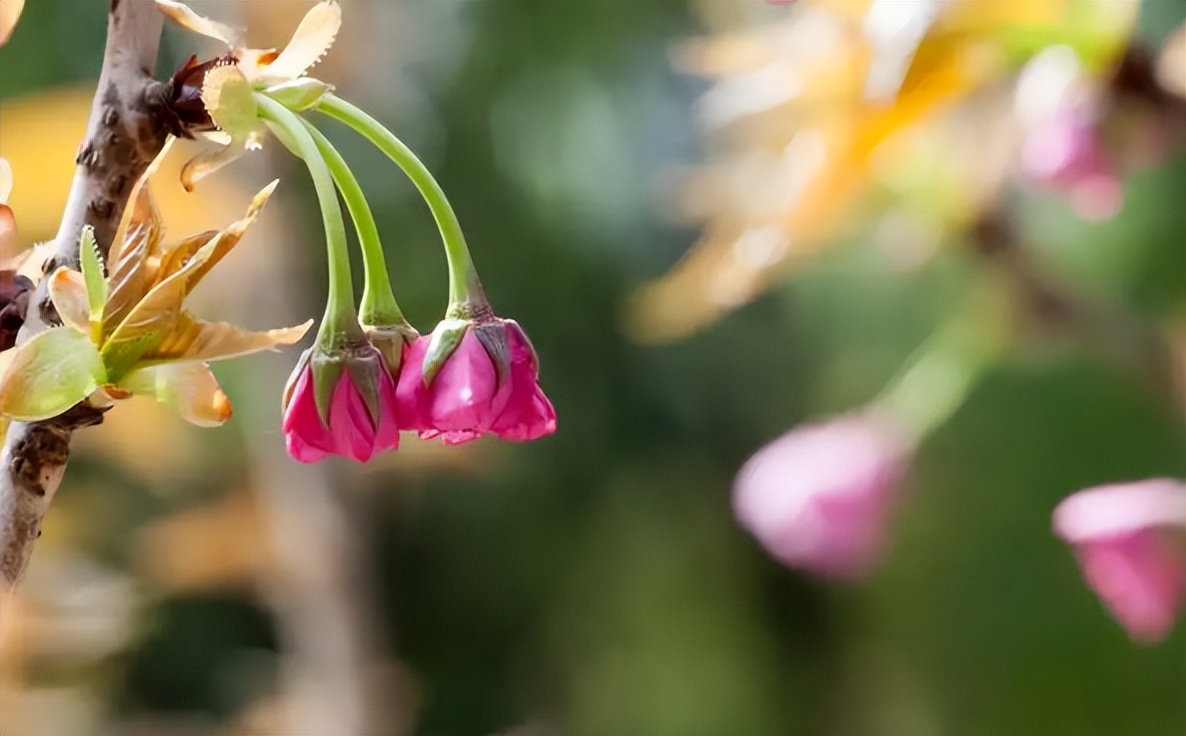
(1128, 539)
(819, 497)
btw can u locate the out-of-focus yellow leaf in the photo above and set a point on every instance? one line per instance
(801, 138)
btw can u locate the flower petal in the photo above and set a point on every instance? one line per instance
(313, 37)
(230, 101)
(184, 16)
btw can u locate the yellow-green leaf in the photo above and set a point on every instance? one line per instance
(91, 264)
(50, 373)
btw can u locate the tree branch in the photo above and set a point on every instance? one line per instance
(125, 133)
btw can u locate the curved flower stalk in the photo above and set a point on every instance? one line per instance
(129, 334)
(1129, 539)
(341, 398)
(477, 374)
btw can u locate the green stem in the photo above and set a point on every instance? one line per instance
(340, 316)
(465, 291)
(378, 306)
(938, 378)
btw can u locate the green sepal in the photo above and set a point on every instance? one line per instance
(327, 371)
(364, 367)
(300, 94)
(513, 326)
(445, 339)
(50, 373)
(91, 264)
(493, 336)
(390, 340)
(230, 101)
(290, 385)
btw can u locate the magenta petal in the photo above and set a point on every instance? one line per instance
(1123, 537)
(1139, 579)
(303, 429)
(465, 396)
(410, 392)
(528, 414)
(351, 430)
(819, 497)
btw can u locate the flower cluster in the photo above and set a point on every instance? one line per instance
(370, 374)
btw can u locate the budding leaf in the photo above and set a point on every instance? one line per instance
(68, 292)
(50, 373)
(91, 264)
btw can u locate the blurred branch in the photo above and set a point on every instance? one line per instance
(125, 133)
(1120, 338)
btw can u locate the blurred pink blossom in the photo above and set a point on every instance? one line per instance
(1065, 153)
(1128, 540)
(819, 497)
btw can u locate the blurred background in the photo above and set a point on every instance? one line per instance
(717, 220)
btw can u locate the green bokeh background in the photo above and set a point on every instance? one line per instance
(596, 581)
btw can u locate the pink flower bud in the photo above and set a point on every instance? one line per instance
(819, 497)
(470, 379)
(1065, 153)
(1128, 540)
(358, 413)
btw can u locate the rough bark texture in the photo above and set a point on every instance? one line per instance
(125, 133)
